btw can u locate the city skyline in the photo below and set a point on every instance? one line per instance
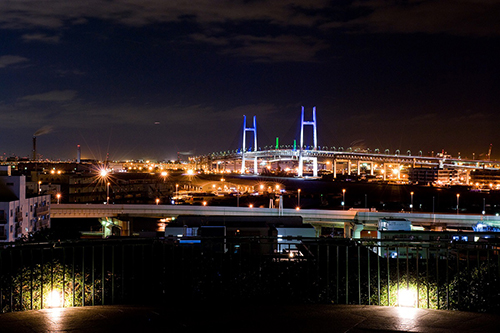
(145, 80)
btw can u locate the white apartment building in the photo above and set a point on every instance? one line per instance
(20, 215)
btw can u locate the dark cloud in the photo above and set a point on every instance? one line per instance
(52, 96)
(458, 17)
(9, 60)
(39, 37)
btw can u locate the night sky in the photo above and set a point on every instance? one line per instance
(144, 79)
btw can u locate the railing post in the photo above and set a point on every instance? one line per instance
(73, 276)
(93, 276)
(327, 272)
(447, 278)
(388, 278)
(427, 275)
(31, 279)
(103, 279)
(113, 246)
(369, 282)
(437, 276)
(337, 285)
(359, 275)
(418, 276)
(83, 275)
(347, 274)
(378, 276)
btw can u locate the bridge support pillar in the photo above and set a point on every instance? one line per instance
(334, 168)
(359, 168)
(315, 167)
(347, 230)
(356, 232)
(349, 167)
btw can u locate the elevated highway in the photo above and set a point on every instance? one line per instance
(316, 217)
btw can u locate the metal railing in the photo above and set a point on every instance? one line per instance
(440, 275)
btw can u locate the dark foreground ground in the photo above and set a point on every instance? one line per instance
(247, 318)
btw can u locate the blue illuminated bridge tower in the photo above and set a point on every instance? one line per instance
(302, 152)
(243, 150)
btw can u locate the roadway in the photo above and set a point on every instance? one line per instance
(310, 216)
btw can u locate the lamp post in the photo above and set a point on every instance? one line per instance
(39, 186)
(411, 204)
(458, 200)
(164, 174)
(58, 196)
(343, 199)
(484, 206)
(157, 201)
(176, 192)
(107, 193)
(298, 197)
(104, 177)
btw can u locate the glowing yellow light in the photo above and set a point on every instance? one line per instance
(164, 174)
(406, 297)
(104, 173)
(297, 208)
(54, 300)
(251, 206)
(190, 172)
(204, 203)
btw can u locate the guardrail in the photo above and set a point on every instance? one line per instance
(440, 275)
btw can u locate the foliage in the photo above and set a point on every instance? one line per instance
(391, 298)
(476, 289)
(31, 287)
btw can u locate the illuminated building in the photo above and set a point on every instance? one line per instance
(19, 214)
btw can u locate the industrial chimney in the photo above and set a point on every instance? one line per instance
(34, 148)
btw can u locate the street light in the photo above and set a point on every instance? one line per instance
(107, 193)
(411, 204)
(157, 201)
(58, 196)
(298, 197)
(176, 191)
(458, 198)
(343, 199)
